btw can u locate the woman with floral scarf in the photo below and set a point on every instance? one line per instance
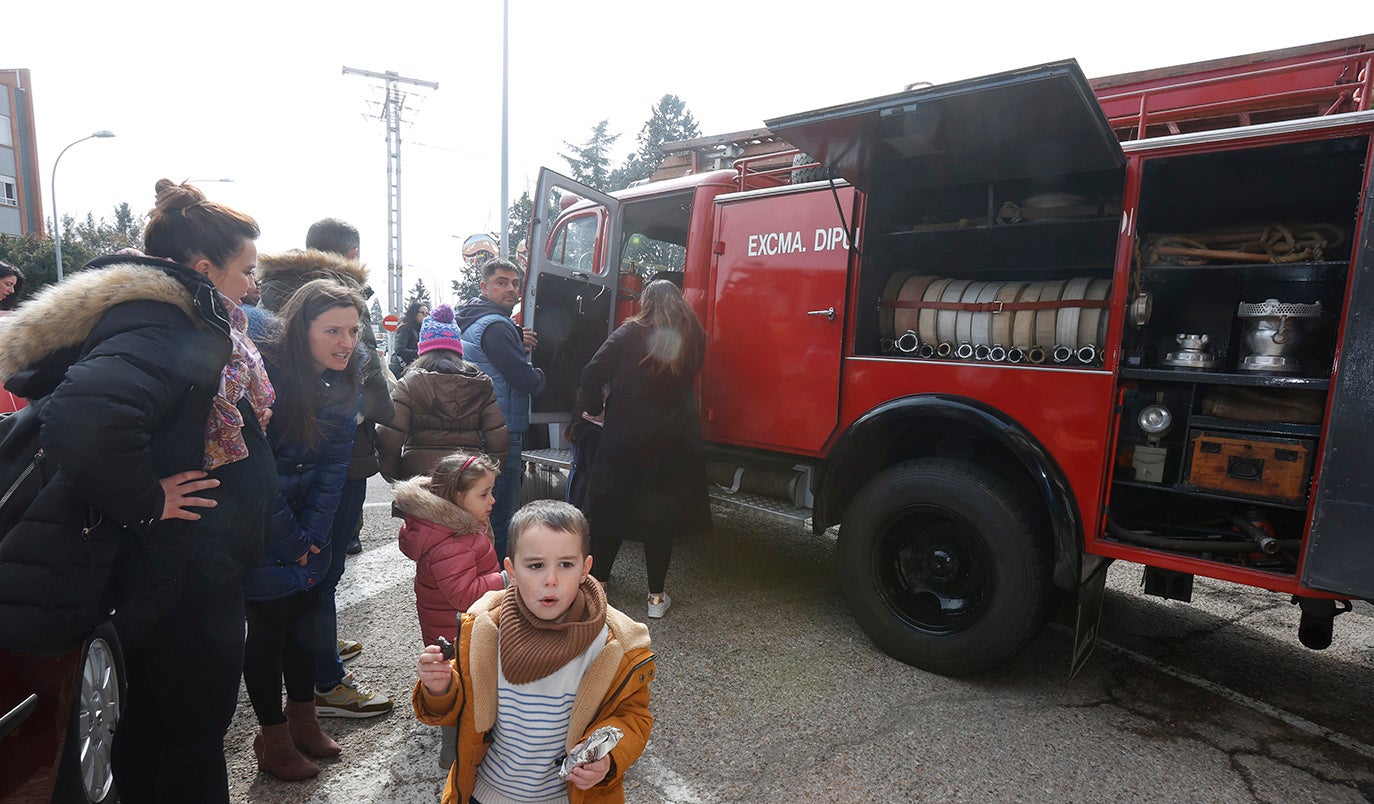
(155, 409)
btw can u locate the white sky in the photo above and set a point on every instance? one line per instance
(254, 90)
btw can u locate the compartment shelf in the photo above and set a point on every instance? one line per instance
(984, 227)
(1261, 272)
(1221, 378)
(1200, 422)
(1194, 492)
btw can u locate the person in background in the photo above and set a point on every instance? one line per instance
(648, 479)
(537, 668)
(407, 338)
(331, 253)
(158, 427)
(501, 349)
(11, 286)
(313, 358)
(443, 403)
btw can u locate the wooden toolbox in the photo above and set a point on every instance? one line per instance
(1245, 465)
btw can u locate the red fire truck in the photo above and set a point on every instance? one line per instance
(1022, 326)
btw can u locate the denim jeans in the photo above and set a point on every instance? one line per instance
(329, 669)
(507, 493)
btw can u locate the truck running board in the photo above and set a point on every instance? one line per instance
(776, 509)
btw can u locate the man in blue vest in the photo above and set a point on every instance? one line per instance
(501, 349)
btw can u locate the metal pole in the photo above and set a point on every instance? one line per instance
(52, 190)
(393, 105)
(505, 130)
(395, 267)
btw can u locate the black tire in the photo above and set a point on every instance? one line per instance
(805, 174)
(943, 566)
(86, 774)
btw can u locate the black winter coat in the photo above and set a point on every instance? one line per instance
(406, 349)
(648, 478)
(146, 341)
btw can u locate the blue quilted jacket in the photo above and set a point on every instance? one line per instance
(310, 479)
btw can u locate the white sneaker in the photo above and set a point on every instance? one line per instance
(660, 608)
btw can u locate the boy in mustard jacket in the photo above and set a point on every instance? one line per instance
(564, 665)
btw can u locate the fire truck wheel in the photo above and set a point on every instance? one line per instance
(943, 566)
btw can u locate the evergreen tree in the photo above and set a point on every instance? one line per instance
(589, 162)
(669, 121)
(375, 312)
(81, 243)
(418, 293)
(520, 214)
(468, 287)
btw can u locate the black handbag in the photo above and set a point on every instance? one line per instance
(56, 554)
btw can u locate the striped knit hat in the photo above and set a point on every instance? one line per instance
(439, 332)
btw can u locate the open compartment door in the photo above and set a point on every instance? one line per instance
(1340, 543)
(1036, 122)
(570, 293)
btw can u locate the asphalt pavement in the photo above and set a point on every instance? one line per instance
(768, 692)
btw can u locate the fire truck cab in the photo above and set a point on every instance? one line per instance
(1029, 324)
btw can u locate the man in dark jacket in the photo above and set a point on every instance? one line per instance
(331, 253)
(501, 349)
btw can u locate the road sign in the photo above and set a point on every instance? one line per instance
(391, 323)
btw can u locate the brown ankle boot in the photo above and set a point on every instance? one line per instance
(278, 756)
(306, 732)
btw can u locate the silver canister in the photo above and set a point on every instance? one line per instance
(1273, 334)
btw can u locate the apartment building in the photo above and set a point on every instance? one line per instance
(21, 196)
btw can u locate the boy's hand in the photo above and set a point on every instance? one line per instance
(435, 673)
(589, 774)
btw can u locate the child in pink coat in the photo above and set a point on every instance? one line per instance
(447, 534)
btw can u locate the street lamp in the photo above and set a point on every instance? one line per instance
(52, 190)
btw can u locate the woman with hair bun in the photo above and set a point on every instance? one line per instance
(155, 402)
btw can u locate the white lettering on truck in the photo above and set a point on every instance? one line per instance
(774, 243)
(830, 239)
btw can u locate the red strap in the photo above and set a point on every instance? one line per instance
(995, 306)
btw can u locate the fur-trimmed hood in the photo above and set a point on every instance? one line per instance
(414, 500)
(280, 275)
(61, 316)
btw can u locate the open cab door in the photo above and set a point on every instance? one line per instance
(570, 293)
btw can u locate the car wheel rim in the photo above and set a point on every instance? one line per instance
(99, 714)
(934, 571)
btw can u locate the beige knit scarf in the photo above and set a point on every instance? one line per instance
(532, 648)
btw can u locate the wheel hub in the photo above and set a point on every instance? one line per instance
(939, 572)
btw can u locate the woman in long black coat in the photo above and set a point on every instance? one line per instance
(153, 412)
(648, 480)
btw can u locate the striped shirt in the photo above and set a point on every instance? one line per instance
(521, 765)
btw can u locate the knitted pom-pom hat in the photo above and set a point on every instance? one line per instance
(439, 332)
